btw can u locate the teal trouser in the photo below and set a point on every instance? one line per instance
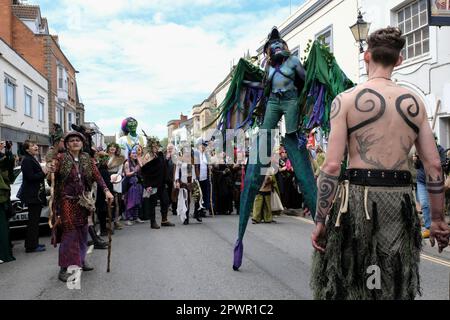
(278, 106)
(254, 177)
(299, 158)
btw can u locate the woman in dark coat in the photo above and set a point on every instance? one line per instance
(32, 192)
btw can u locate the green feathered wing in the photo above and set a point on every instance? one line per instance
(239, 108)
(324, 81)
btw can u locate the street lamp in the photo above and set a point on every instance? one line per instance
(360, 31)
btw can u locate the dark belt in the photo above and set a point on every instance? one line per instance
(378, 178)
(284, 95)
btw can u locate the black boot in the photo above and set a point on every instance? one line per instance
(197, 216)
(63, 275)
(87, 266)
(99, 243)
(154, 225)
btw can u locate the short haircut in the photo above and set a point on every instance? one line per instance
(28, 144)
(385, 45)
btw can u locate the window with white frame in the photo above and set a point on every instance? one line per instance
(10, 92)
(78, 118)
(63, 83)
(28, 101)
(70, 120)
(413, 21)
(296, 51)
(326, 37)
(41, 111)
(60, 77)
(59, 118)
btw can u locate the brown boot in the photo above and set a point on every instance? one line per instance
(167, 224)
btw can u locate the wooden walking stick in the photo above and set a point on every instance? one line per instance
(109, 236)
(211, 207)
(52, 197)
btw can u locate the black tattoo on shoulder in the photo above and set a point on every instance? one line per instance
(435, 186)
(413, 110)
(365, 141)
(335, 107)
(327, 186)
(368, 105)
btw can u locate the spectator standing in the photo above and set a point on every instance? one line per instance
(115, 169)
(32, 193)
(262, 209)
(171, 161)
(133, 195)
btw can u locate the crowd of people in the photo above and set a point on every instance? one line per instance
(134, 184)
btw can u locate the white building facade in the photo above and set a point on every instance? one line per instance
(23, 101)
(98, 138)
(426, 68)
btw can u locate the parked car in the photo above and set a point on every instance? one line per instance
(20, 219)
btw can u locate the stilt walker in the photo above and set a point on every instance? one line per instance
(285, 88)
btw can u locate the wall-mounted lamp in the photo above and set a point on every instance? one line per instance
(360, 31)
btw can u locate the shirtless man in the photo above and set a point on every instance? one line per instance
(372, 222)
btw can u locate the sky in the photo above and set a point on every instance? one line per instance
(154, 59)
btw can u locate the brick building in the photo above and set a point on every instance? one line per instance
(173, 125)
(24, 29)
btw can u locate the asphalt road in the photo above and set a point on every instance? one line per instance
(194, 262)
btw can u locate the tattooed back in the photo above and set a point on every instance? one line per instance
(383, 121)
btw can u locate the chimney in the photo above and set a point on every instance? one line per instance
(56, 38)
(6, 21)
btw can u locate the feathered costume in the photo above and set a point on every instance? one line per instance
(323, 82)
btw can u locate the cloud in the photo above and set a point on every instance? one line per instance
(151, 59)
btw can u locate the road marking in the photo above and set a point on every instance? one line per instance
(423, 256)
(435, 260)
(303, 219)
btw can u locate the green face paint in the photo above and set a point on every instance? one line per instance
(132, 126)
